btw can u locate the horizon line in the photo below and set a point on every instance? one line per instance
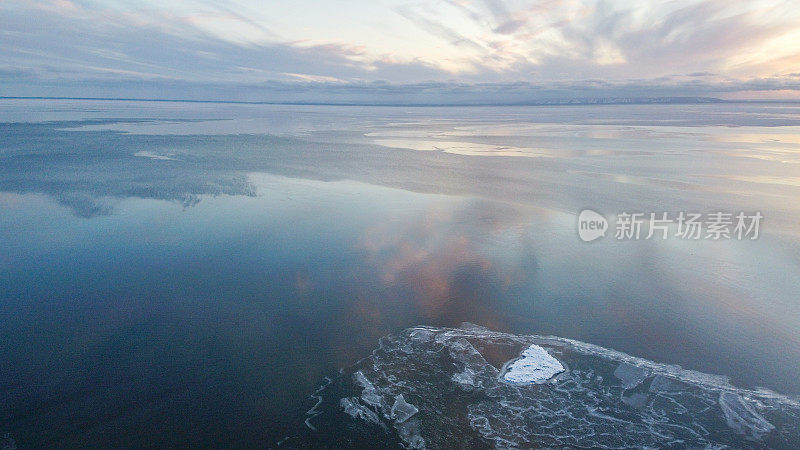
(585, 101)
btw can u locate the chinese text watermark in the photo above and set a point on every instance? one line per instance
(663, 225)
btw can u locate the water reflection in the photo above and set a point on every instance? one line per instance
(168, 289)
(224, 315)
(620, 162)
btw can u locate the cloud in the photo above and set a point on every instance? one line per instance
(437, 28)
(550, 45)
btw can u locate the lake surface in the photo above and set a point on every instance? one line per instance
(189, 273)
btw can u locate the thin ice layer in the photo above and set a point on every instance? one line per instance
(606, 399)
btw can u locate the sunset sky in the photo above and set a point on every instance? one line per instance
(250, 49)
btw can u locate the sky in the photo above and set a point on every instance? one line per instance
(357, 50)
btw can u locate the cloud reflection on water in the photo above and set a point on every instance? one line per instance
(232, 281)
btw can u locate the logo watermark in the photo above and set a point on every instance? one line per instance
(663, 225)
(591, 225)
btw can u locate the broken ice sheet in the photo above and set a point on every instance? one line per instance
(402, 410)
(433, 388)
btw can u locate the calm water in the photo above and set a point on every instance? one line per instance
(188, 274)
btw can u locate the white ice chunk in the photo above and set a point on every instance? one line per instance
(402, 410)
(535, 365)
(422, 335)
(742, 417)
(663, 384)
(465, 378)
(356, 410)
(369, 393)
(630, 376)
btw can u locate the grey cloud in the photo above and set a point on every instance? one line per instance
(13, 73)
(498, 9)
(435, 28)
(510, 26)
(119, 58)
(119, 52)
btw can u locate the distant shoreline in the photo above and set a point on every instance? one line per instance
(554, 102)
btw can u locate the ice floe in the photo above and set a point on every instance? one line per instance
(402, 410)
(435, 388)
(355, 409)
(535, 365)
(742, 416)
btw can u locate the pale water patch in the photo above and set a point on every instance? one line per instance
(156, 156)
(463, 148)
(765, 179)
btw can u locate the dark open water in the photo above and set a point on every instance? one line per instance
(187, 274)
